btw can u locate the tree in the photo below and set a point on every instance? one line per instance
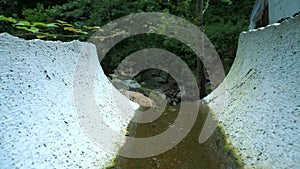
(200, 71)
(222, 25)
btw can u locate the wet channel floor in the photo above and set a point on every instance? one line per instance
(215, 153)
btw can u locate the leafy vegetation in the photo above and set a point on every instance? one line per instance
(68, 20)
(48, 30)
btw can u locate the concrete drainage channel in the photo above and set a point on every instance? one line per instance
(258, 128)
(259, 125)
(216, 152)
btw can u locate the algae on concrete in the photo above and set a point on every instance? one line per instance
(216, 152)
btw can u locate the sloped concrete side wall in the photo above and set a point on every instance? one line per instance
(39, 126)
(279, 9)
(261, 97)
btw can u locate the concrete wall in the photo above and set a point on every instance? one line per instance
(279, 9)
(271, 11)
(261, 97)
(39, 126)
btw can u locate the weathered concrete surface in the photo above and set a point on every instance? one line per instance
(279, 9)
(271, 11)
(261, 95)
(39, 126)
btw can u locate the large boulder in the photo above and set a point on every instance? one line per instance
(261, 97)
(38, 110)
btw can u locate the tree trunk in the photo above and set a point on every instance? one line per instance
(200, 67)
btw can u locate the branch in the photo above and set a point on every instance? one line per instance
(206, 7)
(34, 34)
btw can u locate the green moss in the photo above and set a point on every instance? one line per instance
(221, 145)
(111, 164)
(216, 152)
(225, 144)
(228, 148)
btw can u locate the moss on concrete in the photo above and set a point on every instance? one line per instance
(216, 152)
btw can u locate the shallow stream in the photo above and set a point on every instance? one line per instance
(215, 153)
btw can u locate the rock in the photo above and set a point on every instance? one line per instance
(139, 98)
(157, 96)
(125, 84)
(150, 79)
(119, 84)
(153, 77)
(130, 85)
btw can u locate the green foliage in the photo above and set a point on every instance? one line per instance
(223, 24)
(38, 14)
(67, 20)
(9, 7)
(47, 30)
(8, 19)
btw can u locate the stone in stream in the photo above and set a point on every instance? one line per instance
(139, 98)
(157, 99)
